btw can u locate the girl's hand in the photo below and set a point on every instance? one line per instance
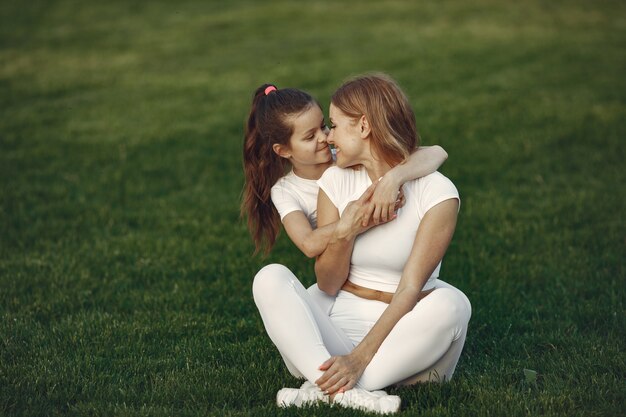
(386, 200)
(341, 373)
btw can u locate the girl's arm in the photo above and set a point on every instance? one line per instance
(425, 160)
(431, 242)
(310, 241)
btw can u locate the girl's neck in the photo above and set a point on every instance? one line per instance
(311, 172)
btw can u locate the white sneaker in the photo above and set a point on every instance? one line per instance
(375, 402)
(390, 404)
(307, 394)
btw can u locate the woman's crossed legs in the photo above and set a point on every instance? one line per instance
(425, 344)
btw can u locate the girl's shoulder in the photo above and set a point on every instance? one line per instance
(292, 182)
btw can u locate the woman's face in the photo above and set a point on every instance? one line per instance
(307, 145)
(345, 135)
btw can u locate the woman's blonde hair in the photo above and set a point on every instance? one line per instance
(392, 121)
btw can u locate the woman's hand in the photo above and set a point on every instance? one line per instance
(341, 373)
(386, 200)
(352, 221)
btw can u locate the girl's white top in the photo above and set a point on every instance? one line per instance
(293, 193)
(380, 254)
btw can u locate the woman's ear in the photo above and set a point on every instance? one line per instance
(365, 127)
(281, 150)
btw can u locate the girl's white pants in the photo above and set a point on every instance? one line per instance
(309, 326)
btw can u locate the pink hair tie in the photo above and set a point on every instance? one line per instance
(269, 89)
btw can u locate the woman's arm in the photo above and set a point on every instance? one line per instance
(425, 160)
(431, 242)
(310, 241)
(333, 264)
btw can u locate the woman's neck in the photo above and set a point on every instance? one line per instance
(311, 172)
(376, 168)
(375, 165)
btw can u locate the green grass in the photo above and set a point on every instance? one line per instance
(125, 271)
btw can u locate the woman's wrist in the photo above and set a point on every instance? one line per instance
(348, 226)
(362, 355)
(342, 234)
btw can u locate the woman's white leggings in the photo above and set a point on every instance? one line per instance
(309, 326)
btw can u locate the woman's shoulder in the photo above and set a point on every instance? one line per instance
(332, 172)
(339, 183)
(336, 173)
(433, 179)
(432, 189)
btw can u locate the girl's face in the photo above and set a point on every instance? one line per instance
(307, 145)
(346, 135)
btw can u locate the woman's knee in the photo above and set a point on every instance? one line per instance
(468, 304)
(442, 284)
(368, 383)
(450, 308)
(270, 279)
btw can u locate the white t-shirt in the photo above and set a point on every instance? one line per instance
(380, 254)
(293, 193)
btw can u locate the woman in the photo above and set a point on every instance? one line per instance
(286, 129)
(372, 344)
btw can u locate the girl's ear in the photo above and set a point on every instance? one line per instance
(281, 150)
(365, 127)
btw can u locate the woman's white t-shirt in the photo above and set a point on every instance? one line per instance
(293, 193)
(380, 254)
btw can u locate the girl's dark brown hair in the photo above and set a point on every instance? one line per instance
(269, 123)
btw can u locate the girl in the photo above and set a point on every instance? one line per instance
(285, 130)
(377, 334)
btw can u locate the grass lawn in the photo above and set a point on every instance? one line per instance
(125, 271)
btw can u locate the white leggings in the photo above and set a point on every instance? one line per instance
(309, 326)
